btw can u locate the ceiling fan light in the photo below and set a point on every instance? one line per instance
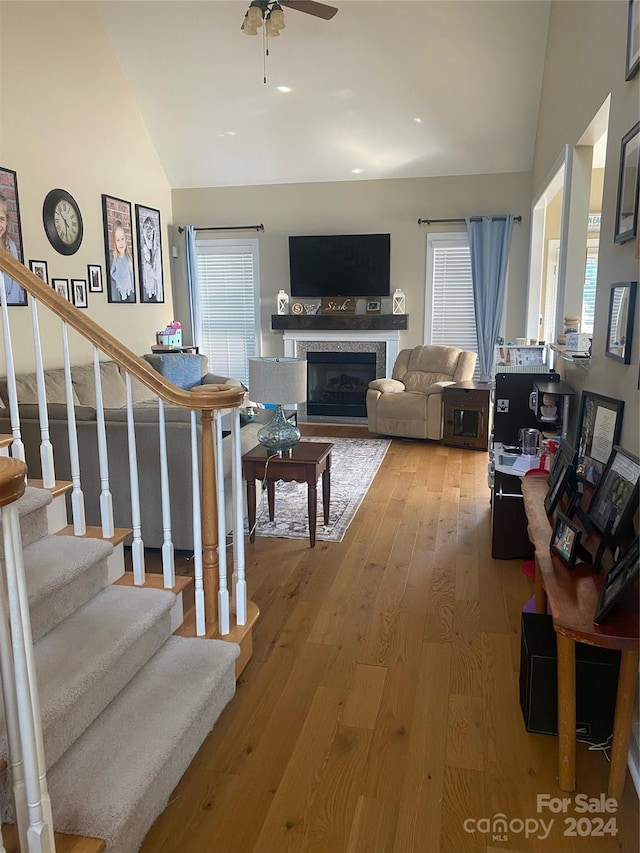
(255, 14)
(277, 17)
(247, 28)
(269, 29)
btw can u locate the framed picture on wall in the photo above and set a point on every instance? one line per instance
(79, 291)
(61, 286)
(628, 186)
(149, 254)
(633, 39)
(11, 232)
(94, 277)
(40, 269)
(599, 424)
(622, 309)
(118, 249)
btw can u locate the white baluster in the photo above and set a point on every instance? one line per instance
(77, 498)
(17, 448)
(2, 847)
(12, 722)
(223, 589)
(168, 565)
(239, 579)
(106, 504)
(137, 546)
(40, 831)
(46, 448)
(197, 530)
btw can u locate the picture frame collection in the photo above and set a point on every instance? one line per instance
(121, 281)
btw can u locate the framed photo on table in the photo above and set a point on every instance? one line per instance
(628, 186)
(619, 579)
(615, 499)
(599, 424)
(565, 539)
(561, 485)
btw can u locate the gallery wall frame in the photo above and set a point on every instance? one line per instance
(94, 277)
(79, 292)
(628, 186)
(149, 234)
(40, 269)
(599, 425)
(117, 223)
(622, 309)
(11, 231)
(61, 287)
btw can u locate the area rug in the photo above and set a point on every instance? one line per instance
(354, 464)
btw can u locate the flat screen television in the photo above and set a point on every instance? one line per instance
(340, 265)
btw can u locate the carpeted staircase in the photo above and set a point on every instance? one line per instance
(125, 705)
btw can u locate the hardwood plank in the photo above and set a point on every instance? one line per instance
(466, 650)
(462, 798)
(363, 701)
(465, 733)
(64, 843)
(373, 827)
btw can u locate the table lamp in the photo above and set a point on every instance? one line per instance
(272, 380)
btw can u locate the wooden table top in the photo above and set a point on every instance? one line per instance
(573, 594)
(304, 452)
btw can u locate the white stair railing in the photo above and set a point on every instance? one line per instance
(197, 532)
(239, 583)
(46, 448)
(168, 558)
(17, 448)
(223, 590)
(77, 497)
(39, 827)
(106, 503)
(137, 545)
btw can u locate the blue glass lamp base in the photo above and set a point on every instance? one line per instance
(278, 434)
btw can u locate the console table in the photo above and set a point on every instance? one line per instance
(572, 595)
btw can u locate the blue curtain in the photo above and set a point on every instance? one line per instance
(192, 282)
(489, 241)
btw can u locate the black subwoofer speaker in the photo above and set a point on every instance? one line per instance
(596, 682)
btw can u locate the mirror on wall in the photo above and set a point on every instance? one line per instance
(622, 302)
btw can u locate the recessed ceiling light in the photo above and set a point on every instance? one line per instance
(418, 120)
(284, 89)
(356, 171)
(231, 133)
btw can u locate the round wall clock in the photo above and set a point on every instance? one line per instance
(62, 221)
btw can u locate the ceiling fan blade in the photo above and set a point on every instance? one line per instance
(311, 7)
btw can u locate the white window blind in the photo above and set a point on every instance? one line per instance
(228, 290)
(449, 311)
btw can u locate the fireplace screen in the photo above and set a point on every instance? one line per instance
(337, 383)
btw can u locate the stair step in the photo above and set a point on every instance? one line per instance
(240, 634)
(64, 843)
(32, 509)
(95, 532)
(61, 487)
(152, 580)
(6, 440)
(118, 776)
(83, 663)
(62, 574)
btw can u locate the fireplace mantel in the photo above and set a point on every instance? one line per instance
(339, 322)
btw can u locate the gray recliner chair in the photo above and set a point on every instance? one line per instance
(410, 403)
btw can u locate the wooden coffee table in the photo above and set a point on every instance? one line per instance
(307, 462)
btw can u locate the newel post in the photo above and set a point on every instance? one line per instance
(209, 522)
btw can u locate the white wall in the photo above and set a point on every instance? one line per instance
(69, 120)
(585, 63)
(389, 206)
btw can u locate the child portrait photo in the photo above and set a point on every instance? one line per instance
(11, 232)
(118, 247)
(149, 254)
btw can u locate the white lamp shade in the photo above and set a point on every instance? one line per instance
(278, 380)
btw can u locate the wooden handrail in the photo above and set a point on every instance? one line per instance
(202, 397)
(13, 482)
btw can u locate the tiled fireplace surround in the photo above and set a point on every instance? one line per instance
(385, 344)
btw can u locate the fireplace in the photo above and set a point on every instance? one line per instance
(337, 383)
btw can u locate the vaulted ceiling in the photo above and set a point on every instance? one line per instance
(386, 89)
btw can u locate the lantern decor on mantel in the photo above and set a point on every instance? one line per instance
(399, 302)
(282, 302)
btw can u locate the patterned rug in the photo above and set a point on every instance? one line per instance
(354, 464)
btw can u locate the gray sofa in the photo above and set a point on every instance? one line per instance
(147, 440)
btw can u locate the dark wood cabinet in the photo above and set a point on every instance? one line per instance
(467, 415)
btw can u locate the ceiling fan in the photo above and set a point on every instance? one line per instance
(270, 11)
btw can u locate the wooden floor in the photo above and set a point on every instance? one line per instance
(380, 709)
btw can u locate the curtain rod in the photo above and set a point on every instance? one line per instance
(473, 219)
(227, 228)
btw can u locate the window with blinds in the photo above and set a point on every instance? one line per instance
(229, 290)
(449, 311)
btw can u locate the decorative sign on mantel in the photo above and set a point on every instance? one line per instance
(339, 305)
